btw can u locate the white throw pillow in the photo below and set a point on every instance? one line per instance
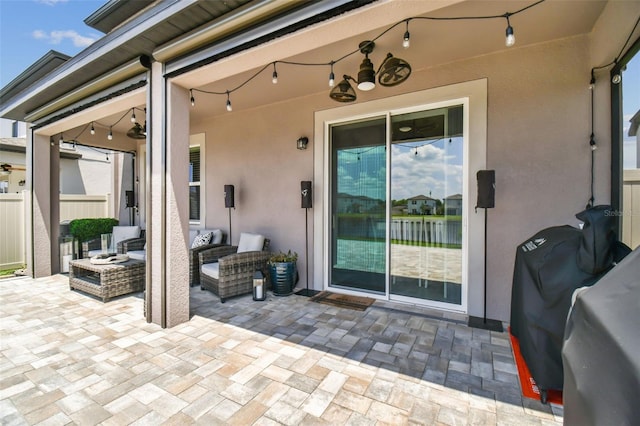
(250, 242)
(202, 240)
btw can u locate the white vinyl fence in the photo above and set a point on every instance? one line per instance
(13, 223)
(631, 208)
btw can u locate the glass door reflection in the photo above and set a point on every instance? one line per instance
(426, 198)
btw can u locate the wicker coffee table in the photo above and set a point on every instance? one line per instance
(107, 281)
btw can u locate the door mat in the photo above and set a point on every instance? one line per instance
(528, 385)
(343, 300)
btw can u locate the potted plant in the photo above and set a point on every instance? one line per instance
(283, 272)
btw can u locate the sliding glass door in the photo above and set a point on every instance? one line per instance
(426, 198)
(358, 203)
(396, 205)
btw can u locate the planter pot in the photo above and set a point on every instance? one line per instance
(283, 278)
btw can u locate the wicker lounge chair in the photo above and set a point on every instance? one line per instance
(218, 240)
(228, 270)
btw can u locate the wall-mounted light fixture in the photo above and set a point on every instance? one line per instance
(302, 142)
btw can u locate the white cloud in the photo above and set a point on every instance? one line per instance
(58, 36)
(51, 2)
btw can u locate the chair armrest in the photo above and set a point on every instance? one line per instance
(131, 244)
(197, 250)
(213, 254)
(245, 262)
(94, 244)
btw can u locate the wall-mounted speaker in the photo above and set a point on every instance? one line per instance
(129, 199)
(305, 192)
(486, 189)
(229, 201)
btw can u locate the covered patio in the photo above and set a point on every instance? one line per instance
(66, 357)
(208, 88)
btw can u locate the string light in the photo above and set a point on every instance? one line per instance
(93, 129)
(406, 42)
(110, 135)
(406, 39)
(332, 76)
(229, 107)
(133, 115)
(510, 39)
(61, 140)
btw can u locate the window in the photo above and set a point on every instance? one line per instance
(194, 184)
(14, 129)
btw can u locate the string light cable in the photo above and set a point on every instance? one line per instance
(592, 83)
(510, 40)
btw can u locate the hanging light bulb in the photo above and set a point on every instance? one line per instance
(193, 100)
(511, 39)
(93, 129)
(229, 107)
(274, 76)
(366, 75)
(110, 135)
(406, 39)
(592, 143)
(133, 115)
(61, 140)
(592, 82)
(332, 77)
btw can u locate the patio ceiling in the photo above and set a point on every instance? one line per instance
(432, 43)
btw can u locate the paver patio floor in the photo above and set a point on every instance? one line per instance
(68, 358)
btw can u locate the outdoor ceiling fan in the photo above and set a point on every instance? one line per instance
(393, 71)
(138, 131)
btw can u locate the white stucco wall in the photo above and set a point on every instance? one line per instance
(538, 132)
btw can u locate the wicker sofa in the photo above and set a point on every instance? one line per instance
(228, 270)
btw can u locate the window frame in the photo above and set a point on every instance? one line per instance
(198, 141)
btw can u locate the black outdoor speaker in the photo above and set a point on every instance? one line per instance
(128, 195)
(486, 189)
(228, 196)
(305, 191)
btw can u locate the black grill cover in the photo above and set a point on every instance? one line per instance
(601, 351)
(548, 268)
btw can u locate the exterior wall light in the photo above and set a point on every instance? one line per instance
(302, 142)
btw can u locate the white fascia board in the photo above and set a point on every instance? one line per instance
(102, 83)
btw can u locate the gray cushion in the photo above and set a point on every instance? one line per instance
(137, 254)
(211, 270)
(120, 233)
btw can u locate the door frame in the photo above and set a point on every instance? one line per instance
(473, 94)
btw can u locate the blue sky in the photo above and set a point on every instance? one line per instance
(30, 28)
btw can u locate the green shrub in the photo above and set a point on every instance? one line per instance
(88, 229)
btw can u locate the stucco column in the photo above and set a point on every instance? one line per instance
(43, 162)
(167, 201)
(177, 204)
